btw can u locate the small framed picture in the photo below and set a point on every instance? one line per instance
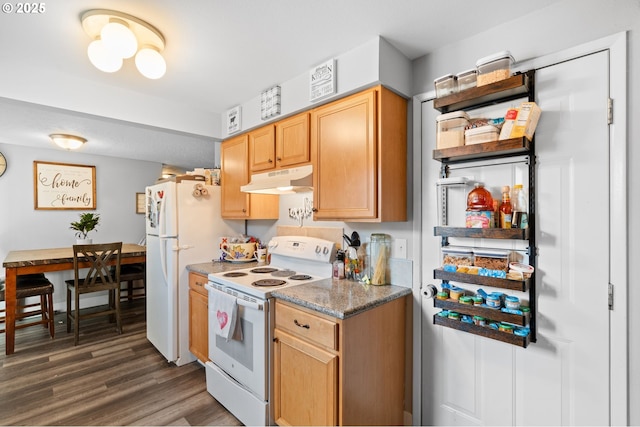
(322, 80)
(233, 120)
(140, 203)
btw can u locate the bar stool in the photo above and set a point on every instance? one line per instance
(31, 285)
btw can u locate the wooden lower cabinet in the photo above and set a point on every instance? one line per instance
(329, 371)
(198, 317)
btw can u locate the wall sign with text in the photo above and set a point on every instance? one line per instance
(64, 186)
(322, 80)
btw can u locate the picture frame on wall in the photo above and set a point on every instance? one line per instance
(234, 118)
(140, 199)
(322, 80)
(63, 186)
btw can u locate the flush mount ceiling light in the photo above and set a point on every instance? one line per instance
(117, 36)
(68, 142)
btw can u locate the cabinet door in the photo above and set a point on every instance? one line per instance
(305, 383)
(262, 149)
(234, 158)
(343, 136)
(198, 328)
(292, 141)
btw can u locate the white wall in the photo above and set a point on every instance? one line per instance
(560, 26)
(376, 61)
(23, 227)
(267, 229)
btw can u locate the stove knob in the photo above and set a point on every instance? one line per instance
(318, 249)
(273, 244)
(325, 250)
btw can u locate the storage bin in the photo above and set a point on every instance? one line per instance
(457, 256)
(466, 79)
(491, 259)
(450, 129)
(494, 68)
(445, 85)
(481, 134)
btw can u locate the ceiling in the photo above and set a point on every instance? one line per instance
(219, 54)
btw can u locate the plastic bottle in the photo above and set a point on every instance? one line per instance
(520, 218)
(338, 266)
(479, 199)
(479, 208)
(505, 208)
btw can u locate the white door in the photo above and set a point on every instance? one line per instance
(563, 378)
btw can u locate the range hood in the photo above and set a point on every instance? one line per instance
(281, 181)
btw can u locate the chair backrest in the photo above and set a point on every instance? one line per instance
(100, 257)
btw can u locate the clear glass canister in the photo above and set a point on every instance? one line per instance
(379, 251)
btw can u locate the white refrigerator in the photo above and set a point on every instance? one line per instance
(183, 226)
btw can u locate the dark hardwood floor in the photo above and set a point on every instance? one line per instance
(108, 379)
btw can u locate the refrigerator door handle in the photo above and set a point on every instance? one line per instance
(163, 259)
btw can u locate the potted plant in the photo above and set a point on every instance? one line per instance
(88, 222)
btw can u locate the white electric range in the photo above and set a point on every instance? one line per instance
(239, 372)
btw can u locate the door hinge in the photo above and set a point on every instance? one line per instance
(609, 111)
(610, 296)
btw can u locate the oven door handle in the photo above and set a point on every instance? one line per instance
(239, 301)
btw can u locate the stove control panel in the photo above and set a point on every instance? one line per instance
(304, 247)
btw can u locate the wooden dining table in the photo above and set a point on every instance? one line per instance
(31, 261)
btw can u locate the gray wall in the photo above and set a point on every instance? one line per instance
(560, 26)
(23, 227)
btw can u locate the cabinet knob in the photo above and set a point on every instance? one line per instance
(279, 159)
(314, 210)
(270, 161)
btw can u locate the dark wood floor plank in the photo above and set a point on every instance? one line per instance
(108, 379)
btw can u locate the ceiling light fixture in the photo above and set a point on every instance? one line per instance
(68, 142)
(117, 36)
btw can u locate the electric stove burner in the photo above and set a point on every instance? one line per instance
(234, 274)
(300, 277)
(283, 273)
(269, 282)
(263, 270)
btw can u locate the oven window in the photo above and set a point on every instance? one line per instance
(240, 351)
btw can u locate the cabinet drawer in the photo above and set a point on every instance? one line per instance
(307, 326)
(197, 282)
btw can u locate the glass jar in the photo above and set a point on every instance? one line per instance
(378, 265)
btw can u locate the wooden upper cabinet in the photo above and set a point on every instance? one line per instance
(360, 147)
(262, 150)
(280, 145)
(292, 141)
(234, 158)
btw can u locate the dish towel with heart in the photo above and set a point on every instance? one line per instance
(225, 310)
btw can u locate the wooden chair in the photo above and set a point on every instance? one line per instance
(98, 278)
(31, 285)
(130, 274)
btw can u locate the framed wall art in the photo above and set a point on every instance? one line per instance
(233, 120)
(322, 80)
(140, 199)
(64, 186)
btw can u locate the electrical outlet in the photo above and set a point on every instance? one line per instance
(399, 248)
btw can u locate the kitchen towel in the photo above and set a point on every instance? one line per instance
(224, 309)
